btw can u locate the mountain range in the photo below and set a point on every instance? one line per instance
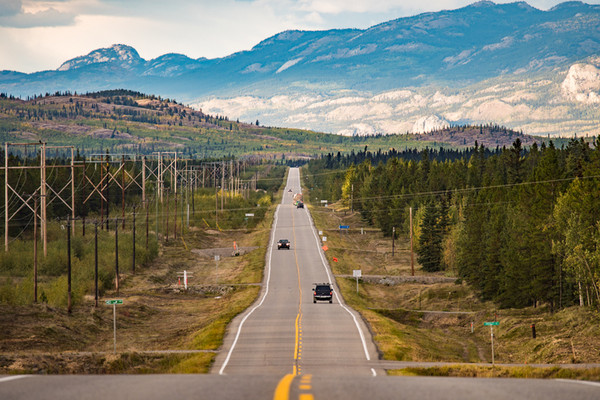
(510, 64)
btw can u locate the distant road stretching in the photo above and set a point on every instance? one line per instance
(285, 332)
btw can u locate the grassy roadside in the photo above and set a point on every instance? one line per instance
(592, 374)
(437, 317)
(161, 327)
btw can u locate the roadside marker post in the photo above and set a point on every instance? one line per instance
(491, 325)
(183, 275)
(114, 304)
(217, 258)
(357, 273)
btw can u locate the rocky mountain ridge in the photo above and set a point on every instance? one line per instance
(510, 64)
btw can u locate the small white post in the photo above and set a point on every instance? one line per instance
(185, 279)
(492, 334)
(115, 327)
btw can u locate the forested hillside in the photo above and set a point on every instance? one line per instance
(123, 121)
(521, 226)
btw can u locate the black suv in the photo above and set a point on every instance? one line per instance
(283, 244)
(322, 292)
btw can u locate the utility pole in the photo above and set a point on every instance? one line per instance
(174, 182)
(123, 190)
(43, 221)
(69, 304)
(393, 237)
(35, 267)
(133, 262)
(96, 263)
(101, 191)
(156, 215)
(216, 206)
(412, 255)
(117, 255)
(147, 228)
(167, 231)
(222, 184)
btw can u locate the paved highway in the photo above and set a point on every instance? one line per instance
(286, 347)
(285, 332)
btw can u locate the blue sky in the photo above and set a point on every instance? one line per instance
(38, 35)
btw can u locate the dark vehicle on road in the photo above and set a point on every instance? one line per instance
(322, 292)
(283, 244)
(299, 204)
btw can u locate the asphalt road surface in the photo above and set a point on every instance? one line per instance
(286, 347)
(285, 332)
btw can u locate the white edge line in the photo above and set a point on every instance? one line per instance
(580, 382)
(263, 298)
(324, 263)
(12, 378)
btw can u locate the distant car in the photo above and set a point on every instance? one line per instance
(283, 244)
(322, 292)
(300, 205)
(290, 190)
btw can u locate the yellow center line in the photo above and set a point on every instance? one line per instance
(298, 343)
(282, 392)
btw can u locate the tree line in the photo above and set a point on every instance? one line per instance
(522, 226)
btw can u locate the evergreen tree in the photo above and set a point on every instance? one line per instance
(430, 241)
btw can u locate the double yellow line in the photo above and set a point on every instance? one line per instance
(282, 392)
(298, 346)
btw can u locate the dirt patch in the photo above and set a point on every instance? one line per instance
(224, 251)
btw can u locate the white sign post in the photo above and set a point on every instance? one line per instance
(114, 304)
(357, 273)
(185, 275)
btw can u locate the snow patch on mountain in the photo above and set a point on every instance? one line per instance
(358, 129)
(582, 84)
(429, 124)
(289, 64)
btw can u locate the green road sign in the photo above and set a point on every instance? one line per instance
(491, 323)
(117, 301)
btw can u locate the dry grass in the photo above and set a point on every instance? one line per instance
(157, 314)
(592, 374)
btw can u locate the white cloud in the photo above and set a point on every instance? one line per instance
(10, 7)
(16, 14)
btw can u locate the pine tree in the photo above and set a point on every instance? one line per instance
(430, 241)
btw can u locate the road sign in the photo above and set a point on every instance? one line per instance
(344, 226)
(114, 303)
(491, 323)
(249, 215)
(357, 273)
(323, 201)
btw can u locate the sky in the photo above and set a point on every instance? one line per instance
(37, 35)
